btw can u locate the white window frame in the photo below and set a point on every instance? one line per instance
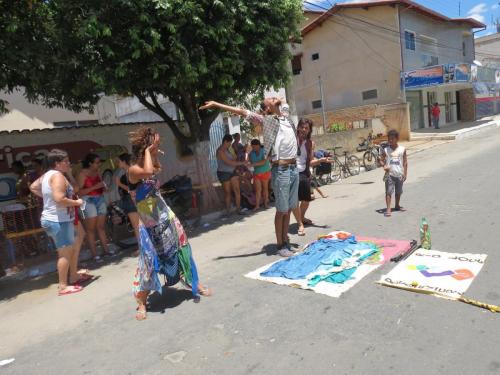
(414, 39)
(430, 48)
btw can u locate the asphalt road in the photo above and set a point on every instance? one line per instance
(252, 327)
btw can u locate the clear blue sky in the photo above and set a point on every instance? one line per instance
(480, 10)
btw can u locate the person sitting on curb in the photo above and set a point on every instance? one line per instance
(281, 144)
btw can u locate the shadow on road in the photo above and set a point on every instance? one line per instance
(11, 287)
(169, 299)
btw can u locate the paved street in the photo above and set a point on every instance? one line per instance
(252, 327)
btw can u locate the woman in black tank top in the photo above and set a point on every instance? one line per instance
(125, 188)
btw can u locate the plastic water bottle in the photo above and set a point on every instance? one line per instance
(425, 234)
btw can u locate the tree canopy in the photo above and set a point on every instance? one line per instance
(187, 50)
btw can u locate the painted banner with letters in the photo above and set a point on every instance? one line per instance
(431, 271)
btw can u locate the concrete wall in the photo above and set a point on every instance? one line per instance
(113, 110)
(490, 45)
(348, 140)
(79, 141)
(24, 115)
(447, 34)
(353, 58)
(379, 118)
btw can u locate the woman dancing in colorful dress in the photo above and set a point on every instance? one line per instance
(163, 245)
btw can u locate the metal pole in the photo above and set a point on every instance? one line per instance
(322, 103)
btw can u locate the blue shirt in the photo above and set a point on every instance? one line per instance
(254, 158)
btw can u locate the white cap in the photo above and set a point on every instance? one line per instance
(285, 108)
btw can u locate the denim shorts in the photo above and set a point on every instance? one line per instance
(285, 183)
(94, 206)
(63, 234)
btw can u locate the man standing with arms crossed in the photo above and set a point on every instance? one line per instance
(280, 143)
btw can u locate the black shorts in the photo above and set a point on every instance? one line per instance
(225, 176)
(127, 204)
(304, 188)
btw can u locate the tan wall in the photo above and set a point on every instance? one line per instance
(353, 58)
(487, 49)
(348, 140)
(392, 116)
(78, 141)
(24, 115)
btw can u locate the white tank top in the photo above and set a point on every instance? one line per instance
(394, 159)
(302, 159)
(51, 210)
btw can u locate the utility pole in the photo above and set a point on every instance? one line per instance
(459, 8)
(322, 103)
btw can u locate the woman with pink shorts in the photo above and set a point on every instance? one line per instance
(262, 173)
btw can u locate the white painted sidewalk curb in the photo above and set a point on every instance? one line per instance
(457, 134)
(468, 132)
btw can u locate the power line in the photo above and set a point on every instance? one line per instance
(391, 30)
(388, 36)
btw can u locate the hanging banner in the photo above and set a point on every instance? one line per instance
(462, 73)
(424, 77)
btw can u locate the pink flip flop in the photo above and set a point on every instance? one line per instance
(70, 290)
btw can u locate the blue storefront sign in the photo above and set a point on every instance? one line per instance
(424, 77)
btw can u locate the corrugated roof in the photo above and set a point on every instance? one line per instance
(406, 3)
(26, 131)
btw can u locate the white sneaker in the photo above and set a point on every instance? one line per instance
(285, 253)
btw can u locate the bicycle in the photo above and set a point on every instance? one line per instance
(372, 154)
(116, 217)
(350, 166)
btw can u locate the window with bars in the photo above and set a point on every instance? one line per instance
(316, 104)
(297, 64)
(370, 94)
(410, 40)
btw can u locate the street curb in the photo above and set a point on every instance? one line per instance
(465, 133)
(457, 134)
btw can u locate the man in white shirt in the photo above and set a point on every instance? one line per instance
(280, 139)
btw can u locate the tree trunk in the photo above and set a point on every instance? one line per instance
(210, 200)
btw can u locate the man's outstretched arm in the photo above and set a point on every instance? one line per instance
(252, 117)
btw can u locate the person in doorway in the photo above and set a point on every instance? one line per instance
(261, 174)
(91, 189)
(280, 138)
(395, 165)
(163, 244)
(230, 180)
(58, 217)
(126, 202)
(435, 114)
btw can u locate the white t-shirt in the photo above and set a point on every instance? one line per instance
(285, 146)
(302, 158)
(394, 159)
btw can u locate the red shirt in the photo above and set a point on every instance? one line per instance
(91, 181)
(436, 111)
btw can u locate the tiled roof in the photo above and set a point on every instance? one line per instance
(406, 3)
(63, 128)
